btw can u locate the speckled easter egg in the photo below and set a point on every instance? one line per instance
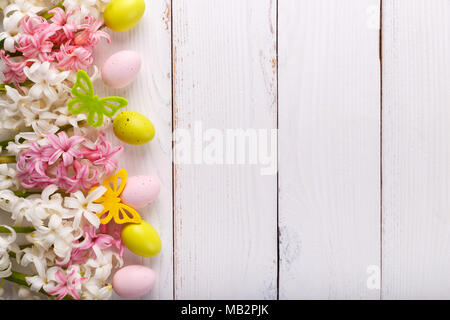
(133, 281)
(141, 239)
(140, 191)
(121, 69)
(122, 15)
(133, 128)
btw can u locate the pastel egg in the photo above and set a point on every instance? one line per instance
(133, 281)
(121, 69)
(133, 128)
(140, 191)
(141, 239)
(122, 15)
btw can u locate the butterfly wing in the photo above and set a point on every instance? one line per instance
(110, 105)
(117, 182)
(95, 119)
(126, 214)
(83, 85)
(107, 214)
(76, 106)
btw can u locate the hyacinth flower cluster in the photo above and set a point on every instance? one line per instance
(52, 164)
(62, 39)
(43, 46)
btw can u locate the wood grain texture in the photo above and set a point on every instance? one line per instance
(350, 197)
(329, 167)
(224, 67)
(150, 95)
(416, 149)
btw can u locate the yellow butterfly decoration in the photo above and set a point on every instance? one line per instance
(113, 206)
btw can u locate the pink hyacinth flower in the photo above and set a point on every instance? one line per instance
(33, 25)
(65, 147)
(102, 154)
(74, 58)
(91, 34)
(66, 29)
(95, 241)
(35, 42)
(77, 256)
(61, 178)
(32, 165)
(67, 284)
(85, 178)
(14, 70)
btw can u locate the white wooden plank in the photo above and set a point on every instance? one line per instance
(225, 215)
(416, 149)
(151, 95)
(329, 168)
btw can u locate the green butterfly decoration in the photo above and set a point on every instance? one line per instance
(85, 101)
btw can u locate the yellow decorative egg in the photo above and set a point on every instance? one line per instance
(133, 128)
(122, 15)
(141, 239)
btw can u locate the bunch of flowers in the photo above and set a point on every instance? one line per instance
(52, 164)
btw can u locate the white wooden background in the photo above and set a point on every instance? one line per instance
(363, 185)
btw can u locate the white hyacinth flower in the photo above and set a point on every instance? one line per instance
(8, 178)
(5, 262)
(99, 268)
(85, 207)
(21, 208)
(8, 200)
(40, 259)
(92, 8)
(47, 81)
(51, 202)
(96, 290)
(56, 234)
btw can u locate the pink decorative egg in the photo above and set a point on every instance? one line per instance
(140, 191)
(133, 281)
(121, 69)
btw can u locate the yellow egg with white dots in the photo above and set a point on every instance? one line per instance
(122, 15)
(133, 128)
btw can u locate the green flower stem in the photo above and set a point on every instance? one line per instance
(64, 128)
(26, 194)
(4, 144)
(23, 84)
(7, 159)
(18, 278)
(17, 229)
